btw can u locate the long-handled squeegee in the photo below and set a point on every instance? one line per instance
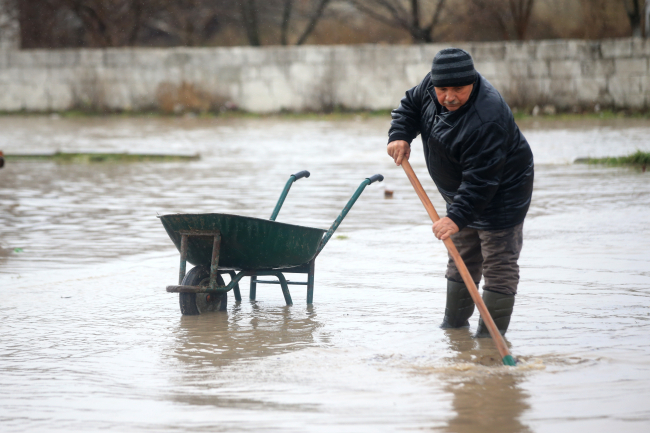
(467, 279)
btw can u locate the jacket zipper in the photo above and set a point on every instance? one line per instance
(437, 118)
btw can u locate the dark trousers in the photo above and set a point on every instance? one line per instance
(491, 253)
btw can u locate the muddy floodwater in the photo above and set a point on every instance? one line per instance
(90, 340)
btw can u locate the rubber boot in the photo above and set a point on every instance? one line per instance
(460, 306)
(500, 307)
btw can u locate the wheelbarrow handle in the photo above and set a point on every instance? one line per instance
(285, 191)
(367, 181)
(301, 174)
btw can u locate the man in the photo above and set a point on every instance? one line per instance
(483, 167)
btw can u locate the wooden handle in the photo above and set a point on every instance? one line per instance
(467, 278)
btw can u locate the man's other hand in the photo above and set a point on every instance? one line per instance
(443, 228)
(398, 150)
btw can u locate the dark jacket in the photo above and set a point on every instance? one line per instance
(476, 155)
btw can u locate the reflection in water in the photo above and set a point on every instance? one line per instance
(484, 399)
(223, 338)
(4, 255)
(210, 345)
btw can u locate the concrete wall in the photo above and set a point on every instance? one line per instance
(564, 73)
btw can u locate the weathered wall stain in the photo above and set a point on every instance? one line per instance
(187, 97)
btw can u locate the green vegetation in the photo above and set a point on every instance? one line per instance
(337, 113)
(637, 159)
(601, 115)
(66, 157)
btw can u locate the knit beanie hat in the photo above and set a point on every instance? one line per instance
(452, 67)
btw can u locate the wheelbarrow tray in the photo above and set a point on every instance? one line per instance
(246, 243)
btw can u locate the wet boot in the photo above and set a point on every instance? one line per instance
(459, 306)
(500, 307)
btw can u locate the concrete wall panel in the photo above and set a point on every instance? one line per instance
(34, 92)
(521, 51)
(60, 96)
(591, 90)
(554, 50)
(538, 68)
(565, 68)
(641, 47)
(490, 51)
(562, 72)
(90, 57)
(597, 68)
(632, 67)
(616, 48)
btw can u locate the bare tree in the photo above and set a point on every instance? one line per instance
(49, 24)
(405, 14)
(603, 19)
(512, 16)
(190, 22)
(633, 9)
(272, 12)
(521, 10)
(9, 23)
(313, 20)
(286, 18)
(249, 12)
(647, 18)
(109, 23)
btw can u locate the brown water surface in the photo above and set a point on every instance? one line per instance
(90, 340)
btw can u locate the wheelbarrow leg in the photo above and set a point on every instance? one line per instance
(235, 289)
(181, 272)
(214, 265)
(285, 288)
(253, 291)
(310, 283)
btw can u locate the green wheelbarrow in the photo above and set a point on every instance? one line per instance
(238, 246)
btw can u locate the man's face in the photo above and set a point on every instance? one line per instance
(453, 97)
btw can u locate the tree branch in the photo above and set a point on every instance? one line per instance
(374, 15)
(436, 16)
(286, 17)
(94, 23)
(394, 20)
(415, 13)
(249, 16)
(136, 7)
(312, 22)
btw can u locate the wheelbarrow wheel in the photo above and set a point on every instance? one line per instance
(193, 304)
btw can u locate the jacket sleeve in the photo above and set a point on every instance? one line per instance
(482, 158)
(406, 118)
